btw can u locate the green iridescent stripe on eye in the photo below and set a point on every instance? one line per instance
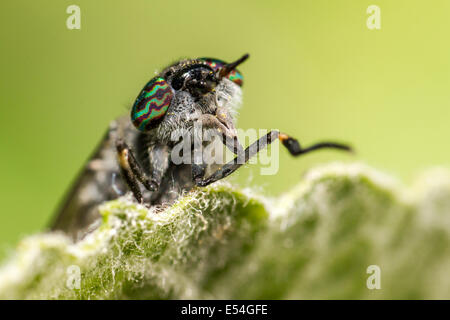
(151, 104)
(155, 100)
(154, 114)
(236, 77)
(159, 84)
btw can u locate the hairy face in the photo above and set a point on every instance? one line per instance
(204, 89)
(185, 108)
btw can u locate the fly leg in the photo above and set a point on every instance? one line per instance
(290, 143)
(132, 172)
(222, 125)
(158, 155)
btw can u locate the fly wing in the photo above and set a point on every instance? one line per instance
(97, 182)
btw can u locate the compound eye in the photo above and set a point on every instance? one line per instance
(151, 105)
(234, 75)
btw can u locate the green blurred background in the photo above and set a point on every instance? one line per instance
(316, 71)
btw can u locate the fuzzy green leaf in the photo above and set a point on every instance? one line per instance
(316, 241)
